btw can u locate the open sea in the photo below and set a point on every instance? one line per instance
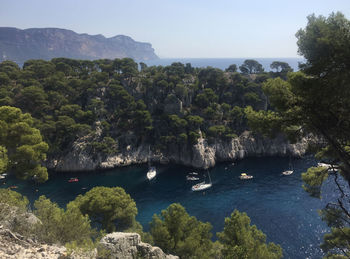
(224, 63)
(276, 204)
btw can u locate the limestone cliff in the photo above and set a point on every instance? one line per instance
(47, 43)
(201, 155)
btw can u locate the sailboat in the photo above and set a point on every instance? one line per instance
(202, 186)
(152, 172)
(290, 171)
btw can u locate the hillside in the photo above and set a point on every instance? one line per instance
(47, 43)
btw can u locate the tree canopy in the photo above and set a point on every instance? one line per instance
(22, 148)
(111, 208)
(177, 232)
(241, 240)
(251, 66)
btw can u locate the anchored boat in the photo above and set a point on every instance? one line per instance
(202, 186)
(245, 176)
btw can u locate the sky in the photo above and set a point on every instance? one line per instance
(181, 28)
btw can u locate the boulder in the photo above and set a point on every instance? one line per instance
(119, 245)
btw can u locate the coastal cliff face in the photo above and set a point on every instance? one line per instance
(202, 155)
(47, 43)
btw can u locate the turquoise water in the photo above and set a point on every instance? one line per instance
(223, 63)
(276, 204)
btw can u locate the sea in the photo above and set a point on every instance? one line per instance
(224, 63)
(276, 204)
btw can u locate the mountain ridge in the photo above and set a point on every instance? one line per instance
(46, 43)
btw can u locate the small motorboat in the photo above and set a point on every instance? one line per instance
(73, 180)
(245, 176)
(288, 172)
(151, 173)
(194, 173)
(13, 187)
(324, 165)
(2, 176)
(191, 178)
(328, 166)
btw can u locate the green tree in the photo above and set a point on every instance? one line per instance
(62, 226)
(112, 208)
(251, 66)
(22, 144)
(13, 198)
(231, 68)
(280, 66)
(177, 232)
(241, 240)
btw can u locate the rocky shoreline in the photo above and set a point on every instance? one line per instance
(203, 155)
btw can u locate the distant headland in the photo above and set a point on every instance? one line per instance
(47, 43)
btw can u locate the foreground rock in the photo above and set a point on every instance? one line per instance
(129, 246)
(116, 245)
(16, 246)
(202, 155)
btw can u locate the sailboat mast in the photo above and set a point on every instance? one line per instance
(209, 177)
(149, 156)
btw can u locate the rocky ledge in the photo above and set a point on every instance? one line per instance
(202, 155)
(129, 246)
(116, 245)
(13, 245)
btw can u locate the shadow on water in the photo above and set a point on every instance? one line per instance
(277, 204)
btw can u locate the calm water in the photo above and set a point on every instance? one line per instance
(276, 204)
(223, 63)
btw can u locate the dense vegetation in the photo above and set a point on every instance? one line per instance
(112, 104)
(317, 100)
(174, 230)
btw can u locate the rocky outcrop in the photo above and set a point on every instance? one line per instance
(47, 43)
(116, 245)
(120, 245)
(201, 155)
(13, 245)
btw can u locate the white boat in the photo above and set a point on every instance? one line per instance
(245, 176)
(328, 166)
(324, 165)
(151, 173)
(2, 176)
(288, 172)
(191, 178)
(202, 186)
(194, 173)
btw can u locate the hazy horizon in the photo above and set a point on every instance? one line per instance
(182, 28)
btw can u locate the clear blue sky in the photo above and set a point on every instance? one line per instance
(181, 28)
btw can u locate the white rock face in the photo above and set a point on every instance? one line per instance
(121, 245)
(201, 155)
